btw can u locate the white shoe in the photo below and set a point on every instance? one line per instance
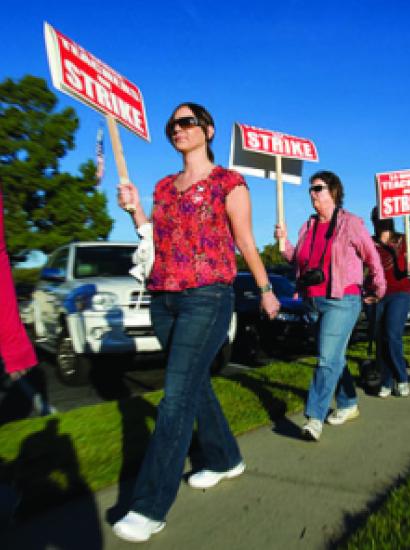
(204, 479)
(312, 430)
(340, 416)
(135, 527)
(384, 392)
(403, 389)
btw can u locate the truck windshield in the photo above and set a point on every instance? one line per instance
(103, 261)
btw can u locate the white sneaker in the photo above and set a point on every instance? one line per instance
(204, 479)
(312, 430)
(340, 416)
(135, 527)
(403, 389)
(384, 392)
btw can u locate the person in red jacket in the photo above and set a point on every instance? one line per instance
(16, 350)
(393, 309)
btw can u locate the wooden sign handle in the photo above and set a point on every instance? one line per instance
(119, 155)
(280, 217)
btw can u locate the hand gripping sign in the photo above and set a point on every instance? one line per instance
(273, 155)
(393, 199)
(78, 73)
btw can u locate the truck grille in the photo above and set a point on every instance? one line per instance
(136, 332)
(135, 296)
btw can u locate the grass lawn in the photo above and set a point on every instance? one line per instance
(54, 458)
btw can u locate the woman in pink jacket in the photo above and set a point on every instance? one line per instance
(16, 350)
(332, 247)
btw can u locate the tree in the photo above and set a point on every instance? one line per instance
(44, 207)
(271, 256)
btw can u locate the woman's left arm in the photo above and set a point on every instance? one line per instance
(238, 208)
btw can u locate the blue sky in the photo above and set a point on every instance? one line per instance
(335, 72)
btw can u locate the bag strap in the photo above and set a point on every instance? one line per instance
(329, 233)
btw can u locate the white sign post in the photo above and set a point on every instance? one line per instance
(81, 75)
(274, 155)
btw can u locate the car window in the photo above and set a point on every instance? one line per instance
(103, 261)
(59, 261)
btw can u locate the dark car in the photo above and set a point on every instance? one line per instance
(255, 332)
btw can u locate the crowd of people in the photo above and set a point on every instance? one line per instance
(199, 216)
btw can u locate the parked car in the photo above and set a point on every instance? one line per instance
(255, 332)
(86, 304)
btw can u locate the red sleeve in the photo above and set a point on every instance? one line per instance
(15, 347)
(231, 180)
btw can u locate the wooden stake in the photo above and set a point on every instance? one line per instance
(280, 218)
(118, 155)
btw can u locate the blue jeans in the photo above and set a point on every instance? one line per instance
(391, 315)
(335, 322)
(191, 326)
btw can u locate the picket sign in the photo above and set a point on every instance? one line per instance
(80, 74)
(273, 155)
(393, 199)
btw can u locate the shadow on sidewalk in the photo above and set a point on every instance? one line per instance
(44, 474)
(135, 414)
(276, 408)
(354, 522)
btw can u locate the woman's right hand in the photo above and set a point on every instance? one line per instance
(128, 196)
(280, 232)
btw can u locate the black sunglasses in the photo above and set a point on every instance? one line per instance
(183, 122)
(317, 188)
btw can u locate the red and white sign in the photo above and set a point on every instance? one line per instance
(78, 73)
(277, 144)
(393, 192)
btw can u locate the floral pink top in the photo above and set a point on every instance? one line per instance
(194, 245)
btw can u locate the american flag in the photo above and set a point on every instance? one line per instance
(99, 149)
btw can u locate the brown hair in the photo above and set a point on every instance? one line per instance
(205, 120)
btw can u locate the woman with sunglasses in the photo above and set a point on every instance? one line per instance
(199, 215)
(332, 247)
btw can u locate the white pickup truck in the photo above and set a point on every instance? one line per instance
(86, 304)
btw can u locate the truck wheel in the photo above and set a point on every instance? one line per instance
(72, 369)
(223, 358)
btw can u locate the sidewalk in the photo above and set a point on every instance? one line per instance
(294, 494)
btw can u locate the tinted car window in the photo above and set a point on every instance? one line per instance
(59, 261)
(103, 261)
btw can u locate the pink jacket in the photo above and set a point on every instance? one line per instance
(15, 347)
(352, 246)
